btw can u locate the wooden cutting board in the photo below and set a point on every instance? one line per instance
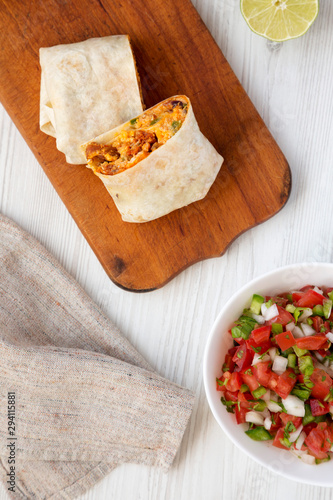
(175, 55)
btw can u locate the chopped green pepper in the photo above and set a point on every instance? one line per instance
(260, 406)
(133, 121)
(299, 352)
(301, 391)
(321, 460)
(154, 121)
(176, 125)
(308, 417)
(305, 365)
(256, 302)
(277, 328)
(292, 360)
(290, 308)
(318, 310)
(260, 391)
(259, 434)
(327, 307)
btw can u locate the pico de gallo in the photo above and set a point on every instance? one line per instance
(278, 376)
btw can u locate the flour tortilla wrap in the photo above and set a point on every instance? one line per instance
(86, 88)
(176, 174)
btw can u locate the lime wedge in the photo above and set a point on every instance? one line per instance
(279, 20)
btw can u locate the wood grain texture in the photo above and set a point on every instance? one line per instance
(175, 54)
(291, 86)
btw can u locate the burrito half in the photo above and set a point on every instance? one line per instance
(155, 163)
(86, 88)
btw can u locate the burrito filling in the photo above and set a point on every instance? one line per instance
(141, 137)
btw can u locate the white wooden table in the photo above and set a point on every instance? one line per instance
(291, 85)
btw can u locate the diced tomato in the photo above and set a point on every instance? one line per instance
(324, 352)
(278, 437)
(273, 381)
(285, 340)
(262, 372)
(322, 383)
(285, 418)
(285, 383)
(232, 350)
(308, 427)
(328, 431)
(243, 357)
(296, 296)
(316, 442)
(276, 421)
(327, 327)
(228, 364)
(220, 387)
(260, 349)
(306, 288)
(284, 317)
(317, 323)
(280, 300)
(249, 379)
(312, 342)
(261, 335)
(234, 381)
(310, 299)
(318, 407)
(245, 400)
(240, 415)
(231, 396)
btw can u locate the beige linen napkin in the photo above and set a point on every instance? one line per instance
(85, 399)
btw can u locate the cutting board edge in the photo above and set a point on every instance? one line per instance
(220, 253)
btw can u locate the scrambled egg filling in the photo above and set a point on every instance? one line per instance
(143, 135)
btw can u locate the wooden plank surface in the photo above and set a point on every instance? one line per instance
(291, 85)
(175, 54)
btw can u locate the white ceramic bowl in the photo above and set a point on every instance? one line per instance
(284, 279)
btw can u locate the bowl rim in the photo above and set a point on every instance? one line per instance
(207, 382)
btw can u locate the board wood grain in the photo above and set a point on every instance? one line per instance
(175, 54)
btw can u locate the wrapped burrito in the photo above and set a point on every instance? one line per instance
(156, 162)
(86, 88)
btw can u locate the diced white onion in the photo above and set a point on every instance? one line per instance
(254, 417)
(318, 356)
(297, 453)
(329, 335)
(294, 435)
(297, 332)
(272, 351)
(327, 369)
(327, 363)
(307, 329)
(273, 406)
(274, 396)
(305, 315)
(304, 456)
(279, 365)
(259, 319)
(265, 413)
(308, 459)
(266, 396)
(300, 440)
(316, 289)
(259, 357)
(290, 326)
(270, 312)
(294, 406)
(268, 423)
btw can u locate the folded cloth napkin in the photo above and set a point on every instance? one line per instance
(84, 399)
